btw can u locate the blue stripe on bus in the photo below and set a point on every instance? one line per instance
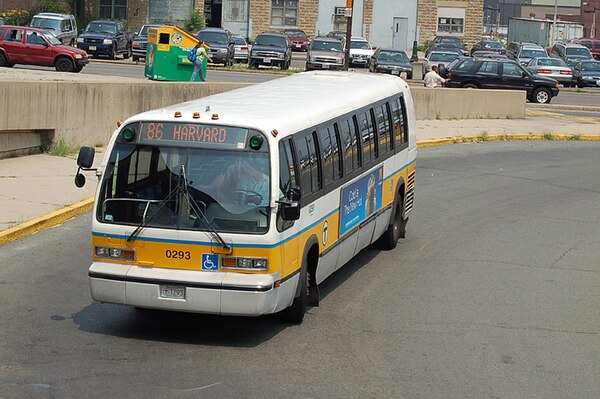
(264, 246)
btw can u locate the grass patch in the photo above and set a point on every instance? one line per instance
(575, 137)
(99, 145)
(483, 136)
(549, 136)
(59, 149)
(438, 115)
(509, 116)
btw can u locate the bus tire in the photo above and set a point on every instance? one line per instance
(396, 229)
(295, 313)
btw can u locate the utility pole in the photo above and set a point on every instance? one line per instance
(553, 36)
(349, 12)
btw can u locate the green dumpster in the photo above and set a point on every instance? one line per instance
(166, 56)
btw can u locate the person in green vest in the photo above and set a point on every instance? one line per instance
(202, 59)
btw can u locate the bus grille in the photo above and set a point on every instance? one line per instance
(410, 192)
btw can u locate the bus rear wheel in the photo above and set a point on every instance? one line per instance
(396, 229)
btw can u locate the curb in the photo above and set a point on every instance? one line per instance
(44, 222)
(69, 212)
(505, 137)
(564, 107)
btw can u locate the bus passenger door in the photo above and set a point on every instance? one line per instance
(287, 180)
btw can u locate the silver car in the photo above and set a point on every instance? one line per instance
(241, 49)
(437, 58)
(325, 53)
(554, 68)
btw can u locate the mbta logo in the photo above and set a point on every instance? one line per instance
(210, 262)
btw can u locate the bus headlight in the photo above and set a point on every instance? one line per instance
(126, 254)
(244, 263)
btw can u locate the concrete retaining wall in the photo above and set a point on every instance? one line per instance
(85, 113)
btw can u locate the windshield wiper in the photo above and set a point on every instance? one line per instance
(150, 218)
(198, 211)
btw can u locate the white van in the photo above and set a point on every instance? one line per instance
(63, 26)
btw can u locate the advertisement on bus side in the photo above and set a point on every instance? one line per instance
(360, 199)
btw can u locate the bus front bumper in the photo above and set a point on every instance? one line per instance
(224, 293)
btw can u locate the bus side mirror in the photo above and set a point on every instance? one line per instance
(85, 159)
(290, 209)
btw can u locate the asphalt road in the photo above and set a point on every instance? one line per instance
(493, 294)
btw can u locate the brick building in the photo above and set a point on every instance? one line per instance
(388, 23)
(462, 18)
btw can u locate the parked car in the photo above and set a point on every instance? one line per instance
(140, 42)
(33, 46)
(570, 53)
(592, 44)
(500, 74)
(450, 41)
(222, 47)
(338, 34)
(587, 73)
(106, 38)
(523, 52)
(489, 45)
(325, 53)
(298, 39)
(439, 57)
(360, 51)
(271, 49)
(489, 54)
(554, 68)
(447, 47)
(390, 61)
(241, 49)
(63, 26)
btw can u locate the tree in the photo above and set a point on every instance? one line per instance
(195, 21)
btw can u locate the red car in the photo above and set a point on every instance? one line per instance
(298, 39)
(33, 46)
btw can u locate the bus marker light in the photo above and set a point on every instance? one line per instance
(128, 134)
(196, 115)
(256, 142)
(274, 132)
(128, 254)
(215, 117)
(177, 114)
(119, 123)
(277, 284)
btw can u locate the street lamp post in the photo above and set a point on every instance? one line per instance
(553, 36)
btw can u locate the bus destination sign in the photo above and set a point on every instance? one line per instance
(187, 133)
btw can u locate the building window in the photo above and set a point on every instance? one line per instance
(113, 9)
(340, 21)
(451, 21)
(284, 12)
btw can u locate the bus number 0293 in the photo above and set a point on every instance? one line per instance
(178, 254)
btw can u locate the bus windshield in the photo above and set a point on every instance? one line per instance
(186, 188)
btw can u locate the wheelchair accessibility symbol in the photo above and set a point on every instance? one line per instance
(210, 262)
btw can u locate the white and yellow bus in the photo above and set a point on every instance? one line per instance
(241, 203)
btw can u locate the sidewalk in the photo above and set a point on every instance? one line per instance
(37, 191)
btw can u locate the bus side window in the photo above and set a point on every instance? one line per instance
(337, 156)
(349, 146)
(304, 163)
(404, 121)
(366, 131)
(383, 128)
(314, 162)
(399, 124)
(287, 174)
(329, 150)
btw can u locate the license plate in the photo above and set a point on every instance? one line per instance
(172, 291)
(267, 60)
(298, 46)
(395, 72)
(93, 48)
(325, 66)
